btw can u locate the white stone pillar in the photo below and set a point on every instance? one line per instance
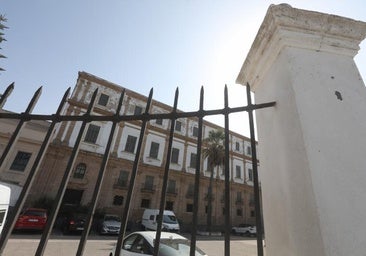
(312, 144)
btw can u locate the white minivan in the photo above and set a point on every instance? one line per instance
(150, 222)
(4, 204)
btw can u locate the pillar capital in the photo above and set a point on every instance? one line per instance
(284, 26)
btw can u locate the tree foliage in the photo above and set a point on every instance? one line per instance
(214, 151)
(2, 38)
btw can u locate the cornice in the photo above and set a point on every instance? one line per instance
(284, 26)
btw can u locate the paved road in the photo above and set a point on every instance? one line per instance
(101, 246)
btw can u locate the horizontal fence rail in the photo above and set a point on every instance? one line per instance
(115, 119)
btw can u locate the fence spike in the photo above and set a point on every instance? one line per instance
(7, 92)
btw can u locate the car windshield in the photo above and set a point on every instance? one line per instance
(169, 219)
(35, 213)
(78, 216)
(112, 218)
(176, 247)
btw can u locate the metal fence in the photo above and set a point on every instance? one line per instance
(115, 120)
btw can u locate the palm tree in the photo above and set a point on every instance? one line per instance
(214, 151)
(2, 27)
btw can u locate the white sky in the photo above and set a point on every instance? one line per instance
(140, 44)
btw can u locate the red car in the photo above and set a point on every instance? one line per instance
(32, 218)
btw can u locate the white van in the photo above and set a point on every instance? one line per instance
(4, 204)
(150, 222)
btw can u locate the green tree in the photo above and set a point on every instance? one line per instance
(214, 151)
(2, 38)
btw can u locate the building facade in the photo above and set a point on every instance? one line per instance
(147, 189)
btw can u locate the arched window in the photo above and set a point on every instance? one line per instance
(80, 171)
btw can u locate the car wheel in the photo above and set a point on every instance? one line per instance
(65, 231)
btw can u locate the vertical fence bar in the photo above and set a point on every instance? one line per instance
(133, 178)
(65, 179)
(9, 224)
(166, 176)
(14, 137)
(5, 95)
(227, 176)
(258, 213)
(197, 178)
(99, 182)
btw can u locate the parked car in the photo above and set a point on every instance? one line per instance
(244, 229)
(31, 219)
(110, 224)
(4, 204)
(73, 223)
(142, 243)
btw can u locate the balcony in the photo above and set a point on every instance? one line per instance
(189, 194)
(148, 187)
(239, 201)
(121, 185)
(172, 191)
(206, 197)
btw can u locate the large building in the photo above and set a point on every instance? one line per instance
(147, 190)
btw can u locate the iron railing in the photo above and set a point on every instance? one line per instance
(116, 119)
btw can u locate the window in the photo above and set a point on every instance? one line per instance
(159, 121)
(239, 212)
(238, 196)
(145, 203)
(193, 160)
(175, 156)
(138, 110)
(130, 144)
(249, 151)
(117, 200)
(239, 199)
(252, 213)
(223, 210)
(154, 150)
(103, 99)
(190, 190)
(20, 161)
(238, 171)
(92, 133)
(189, 208)
(195, 131)
(149, 182)
(250, 174)
(123, 179)
(80, 171)
(171, 186)
(169, 205)
(178, 126)
(251, 200)
(237, 146)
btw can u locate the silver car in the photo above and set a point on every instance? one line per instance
(110, 224)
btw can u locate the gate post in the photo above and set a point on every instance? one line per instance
(312, 144)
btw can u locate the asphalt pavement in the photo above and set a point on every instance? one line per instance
(59, 245)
